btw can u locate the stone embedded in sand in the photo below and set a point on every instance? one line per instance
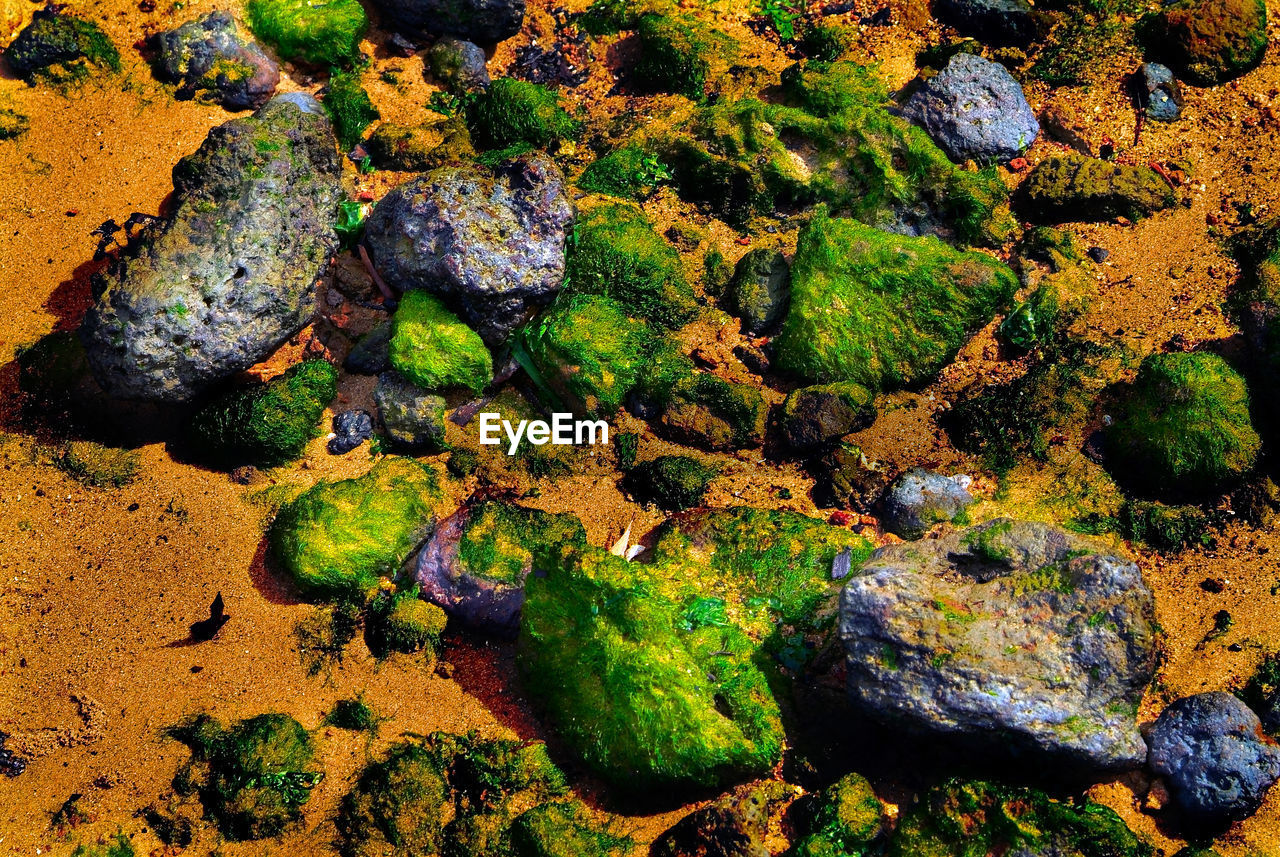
(920, 498)
(1009, 637)
(1208, 42)
(206, 58)
(1158, 92)
(759, 290)
(1072, 187)
(812, 416)
(230, 275)
(412, 417)
(483, 21)
(458, 65)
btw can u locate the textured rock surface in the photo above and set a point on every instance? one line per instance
(920, 498)
(1073, 187)
(1010, 636)
(207, 57)
(734, 826)
(478, 20)
(350, 429)
(411, 417)
(458, 65)
(1211, 749)
(1208, 42)
(812, 416)
(231, 274)
(998, 22)
(1158, 92)
(490, 245)
(974, 109)
(759, 291)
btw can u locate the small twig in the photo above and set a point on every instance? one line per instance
(373, 272)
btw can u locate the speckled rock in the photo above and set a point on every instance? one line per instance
(490, 244)
(734, 826)
(920, 498)
(1073, 187)
(759, 290)
(207, 59)
(231, 273)
(458, 65)
(350, 429)
(1208, 42)
(974, 109)
(483, 21)
(1010, 637)
(1212, 751)
(411, 417)
(1157, 92)
(996, 22)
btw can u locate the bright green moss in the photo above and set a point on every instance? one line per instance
(847, 820)
(403, 622)
(432, 348)
(349, 107)
(879, 309)
(343, 536)
(974, 819)
(1183, 428)
(1070, 187)
(564, 829)
(514, 112)
(646, 703)
(99, 466)
(500, 540)
(617, 253)
(324, 33)
(671, 482)
(267, 424)
(676, 54)
(631, 172)
(61, 49)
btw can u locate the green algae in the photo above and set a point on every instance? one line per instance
(630, 172)
(501, 540)
(326, 33)
(61, 49)
(118, 846)
(403, 622)
(676, 54)
(350, 108)
(1071, 187)
(564, 829)
(671, 482)
(517, 113)
(434, 349)
(847, 821)
(99, 466)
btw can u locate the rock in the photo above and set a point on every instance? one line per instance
(490, 245)
(459, 66)
(847, 479)
(998, 22)
(403, 622)
(1157, 92)
(351, 428)
(411, 417)
(1099, 254)
(1073, 187)
(671, 482)
(60, 48)
(714, 414)
(433, 349)
(1211, 749)
(920, 498)
(759, 290)
(370, 355)
(812, 416)
(1208, 42)
(848, 819)
(974, 110)
(476, 563)
(483, 21)
(230, 275)
(1010, 637)
(206, 58)
(734, 826)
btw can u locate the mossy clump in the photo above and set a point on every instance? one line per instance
(99, 466)
(403, 622)
(825, 42)
(266, 424)
(434, 349)
(501, 540)
(960, 819)
(629, 172)
(1167, 528)
(706, 410)
(517, 113)
(117, 846)
(254, 776)
(607, 17)
(617, 253)
(12, 124)
(355, 715)
(848, 819)
(1208, 42)
(647, 700)
(321, 34)
(1070, 186)
(564, 829)
(409, 148)
(350, 108)
(61, 49)
(1183, 428)
(1043, 316)
(399, 803)
(671, 482)
(879, 309)
(340, 537)
(676, 54)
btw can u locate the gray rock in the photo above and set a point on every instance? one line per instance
(920, 498)
(482, 603)
(1212, 751)
(350, 429)
(812, 416)
(231, 274)
(996, 22)
(411, 417)
(760, 290)
(1011, 637)
(304, 101)
(483, 21)
(1158, 92)
(370, 355)
(974, 108)
(490, 244)
(458, 65)
(206, 58)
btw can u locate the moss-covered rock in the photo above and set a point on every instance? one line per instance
(1262, 692)
(355, 715)
(324, 34)
(677, 53)
(1183, 428)
(412, 418)
(517, 113)
(403, 622)
(339, 537)
(629, 172)
(711, 412)
(617, 253)
(350, 108)
(99, 466)
(825, 42)
(419, 148)
(564, 829)
(1208, 42)
(882, 310)
(266, 424)
(1071, 186)
(432, 348)
(671, 482)
(812, 416)
(734, 826)
(759, 291)
(400, 803)
(61, 48)
(848, 819)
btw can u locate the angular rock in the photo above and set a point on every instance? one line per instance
(490, 244)
(1208, 42)
(207, 58)
(759, 290)
(1073, 187)
(920, 498)
(458, 65)
(60, 48)
(483, 21)
(847, 479)
(974, 109)
(1218, 762)
(997, 22)
(230, 275)
(734, 826)
(812, 416)
(1010, 637)
(1157, 91)
(411, 417)
(350, 429)
(715, 414)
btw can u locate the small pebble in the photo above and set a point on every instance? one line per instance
(1099, 254)
(350, 429)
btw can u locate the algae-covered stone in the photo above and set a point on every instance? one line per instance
(759, 291)
(266, 424)
(483, 21)
(405, 623)
(476, 562)
(339, 537)
(564, 829)
(1071, 186)
(1183, 428)
(433, 349)
(322, 34)
(230, 274)
(61, 48)
(812, 416)
(207, 59)
(671, 482)
(458, 65)
(1208, 42)
(99, 466)
(882, 310)
(703, 409)
(676, 54)
(412, 417)
(349, 107)
(409, 148)
(399, 803)
(847, 820)
(734, 826)
(629, 172)
(645, 703)
(518, 113)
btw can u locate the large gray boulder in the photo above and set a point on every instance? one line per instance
(483, 21)
(207, 59)
(491, 244)
(1009, 636)
(231, 273)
